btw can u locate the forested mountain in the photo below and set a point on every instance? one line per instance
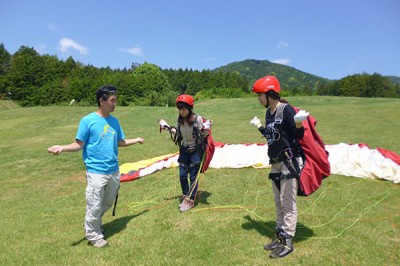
(290, 78)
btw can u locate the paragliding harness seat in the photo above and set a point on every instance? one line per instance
(287, 154)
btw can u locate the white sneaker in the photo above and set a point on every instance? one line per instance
(186, 205)
(184, 198)
(99, 243)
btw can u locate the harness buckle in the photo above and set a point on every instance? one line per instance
(289, 154)
(190, 149)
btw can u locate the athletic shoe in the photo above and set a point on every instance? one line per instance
(275, 242)
(186, 205)
(273, 245)
(284, 248)
(182, 199)
(99, 243)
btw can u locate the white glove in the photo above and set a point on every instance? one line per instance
(207, 125)
(164, 125)
(300, 116)
(255, 121)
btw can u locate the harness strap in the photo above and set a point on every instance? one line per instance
(293, 168)
(115, 205)
(287, 155)
(276, 178)
(292, 165)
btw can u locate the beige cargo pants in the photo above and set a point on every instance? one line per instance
(100, 195)
(285, 198)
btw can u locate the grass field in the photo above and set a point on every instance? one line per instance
(348, 221)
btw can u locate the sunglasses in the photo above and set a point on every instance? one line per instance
(110, 93)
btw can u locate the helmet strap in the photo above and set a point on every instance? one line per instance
(266, 96)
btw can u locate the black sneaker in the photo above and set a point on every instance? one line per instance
(275, 242)
(284, 248)
(273, 245)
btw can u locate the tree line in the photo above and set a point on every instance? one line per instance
(32, 79)
(362, 85)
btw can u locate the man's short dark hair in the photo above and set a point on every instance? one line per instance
(104, 92)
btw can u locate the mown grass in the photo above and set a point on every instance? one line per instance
(348, 221)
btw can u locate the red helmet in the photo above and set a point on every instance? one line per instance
(185, 98)
(266, 84)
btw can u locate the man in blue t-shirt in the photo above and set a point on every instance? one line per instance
(99, 136)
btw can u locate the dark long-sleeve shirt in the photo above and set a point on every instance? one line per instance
(282, 135)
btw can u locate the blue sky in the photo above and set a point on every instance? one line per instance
(331, 39)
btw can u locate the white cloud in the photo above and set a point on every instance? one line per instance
(134, 51)
(282, 45)
(282, 61)
(66, 44)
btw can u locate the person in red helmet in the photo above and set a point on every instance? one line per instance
(283, 128)
(191, 136)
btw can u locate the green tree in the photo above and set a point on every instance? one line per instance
(151, 84)
(82, 84)
(68, 66)
(195, 83)
(380, 86)
(353, 86)
(5, 60)
(361, 85)
(25, 75)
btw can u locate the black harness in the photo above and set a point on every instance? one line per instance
(286, 154)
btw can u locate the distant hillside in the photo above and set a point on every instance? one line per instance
(289, 77)
(394, 79)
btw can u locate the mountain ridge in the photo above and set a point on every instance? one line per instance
(290, 77)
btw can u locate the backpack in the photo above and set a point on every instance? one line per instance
(316, 165)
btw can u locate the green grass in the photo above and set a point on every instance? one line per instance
(7, 105)
(348, 221)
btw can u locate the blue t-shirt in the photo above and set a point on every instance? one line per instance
(101, 136)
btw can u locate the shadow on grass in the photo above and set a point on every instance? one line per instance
(202, 197)
(113, 227)
(267, 229)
